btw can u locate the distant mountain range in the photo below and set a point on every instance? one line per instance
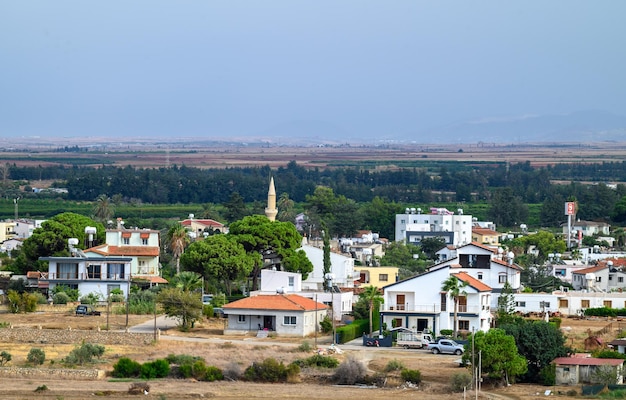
(583, 126)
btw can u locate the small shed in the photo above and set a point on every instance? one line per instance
(575, 370)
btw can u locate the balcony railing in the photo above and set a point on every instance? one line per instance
(430, 308)
(69, 276)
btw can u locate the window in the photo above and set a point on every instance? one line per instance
(520, 304)
(383, 277)
(402, 221)
(620, 279)
(287, 320)
(563, 303)
(502, 279)
(68, 270)
(560, 272)
(126, 240)
(241, 319)
(480, 276)
(93, 272)
(115, 271)
(444, 297)
(584, 303)
(292, 281)
(545, 304)
(598, 279)
(144, 242)
(608, 304)
(464, 325)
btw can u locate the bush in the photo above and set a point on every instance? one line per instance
(22, 303)
(126, 368)
(318, 360)
(213, 374)
(41, 388)
(350, 372)
(91, 298)
(547, 375)
(5, 357)
(73, 294)
(271, 370)
(60, 298)
(207, 310)
(608, 354)
(304, 347)
(394, 365)
(446, 332)
(326, 325)
(84, 354)
(411, 375)
(180, 359)
(155, 369)
(459, 381)
(36, 356)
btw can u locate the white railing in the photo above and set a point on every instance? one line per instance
(430, 308)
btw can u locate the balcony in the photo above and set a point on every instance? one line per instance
(430, 308)
(84, 276)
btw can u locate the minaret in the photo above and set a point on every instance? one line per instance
(271, 210)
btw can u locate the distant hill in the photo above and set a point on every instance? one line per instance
(584, 126)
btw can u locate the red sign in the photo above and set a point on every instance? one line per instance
(570, 208)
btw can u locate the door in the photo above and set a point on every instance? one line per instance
(268, 322)
(462, 304)
(400, 302)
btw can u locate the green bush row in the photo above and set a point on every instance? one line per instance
(604, 312)
(352, 331)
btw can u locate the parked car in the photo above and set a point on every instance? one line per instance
(218, 312)
(207, 298)
(448, 346)
(86, 309)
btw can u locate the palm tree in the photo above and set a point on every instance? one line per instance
(454, 287)
(371, 294)
(103, 209)
(178, 239)
(188, 281)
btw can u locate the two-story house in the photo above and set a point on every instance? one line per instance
(418, 303)
(599, 278)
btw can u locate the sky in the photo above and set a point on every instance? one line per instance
(371, 69)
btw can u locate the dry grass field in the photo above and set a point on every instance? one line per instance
(237, 353)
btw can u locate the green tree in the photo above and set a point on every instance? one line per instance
(221, 258)
(371, 294)
(185, 306)
(432, 245)
(539, 342)
(506, 304)
(103, 209)
(51, 238)
(187, 281)
(455, 288)
(379, 216)
(507, 209)
(259, 235)
(177, 239)
(286, 210)
(499, 357)
(327, 264)
(235, 207)
(409, 256)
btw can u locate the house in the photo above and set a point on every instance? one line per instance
(10, 244)
(342, 269)
(576, 370)
(285, 314)
(273, 282)
(376, 276)
(486, 265)
(141, 245)
(7, 230)
(588, 228)
(618, 345)
(485, 236)
(98, 275)
(600, 278)
(418, 303)
(198, 227)
(413, 226)
(24, 228)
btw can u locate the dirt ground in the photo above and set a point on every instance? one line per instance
(238, 352)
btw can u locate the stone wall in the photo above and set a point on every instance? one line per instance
(75, 336)
(44, 373)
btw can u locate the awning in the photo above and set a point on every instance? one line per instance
(150, 279)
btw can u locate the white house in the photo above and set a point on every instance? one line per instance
(285, 314)
(342, 269)
(24, 228)
(418, 303)
(141, 245)
(98, 275)
(413, 226)
(486, 265)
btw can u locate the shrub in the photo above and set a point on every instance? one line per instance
(22, 302)
(318, 360)
(411, 375)
(155, 369)
(91, 298)
(326, 325)
(5, 357)
(350, 372)
(446, 332)
(126, 368)
(459, 381)
(60, 298)
(198, 369)
(608, 354)
(213, 374)
(270, 370)
(207, 310)
(41, 388)
(547, 375)
(304, 347)
(84, 354)
(36, 356)
(394, 365)
(73, 294)
(180, 359)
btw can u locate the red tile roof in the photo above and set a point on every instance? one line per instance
(473, 282)
(282, 302)
(587, 361)
(485, 231)
(589, 270)
(506, 264)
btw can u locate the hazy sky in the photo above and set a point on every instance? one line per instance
(220, 68)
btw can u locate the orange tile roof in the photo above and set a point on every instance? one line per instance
(506, 264)
(589, 270)
(283, 302)
(106, 250)
(485, 231)
(473, 282)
